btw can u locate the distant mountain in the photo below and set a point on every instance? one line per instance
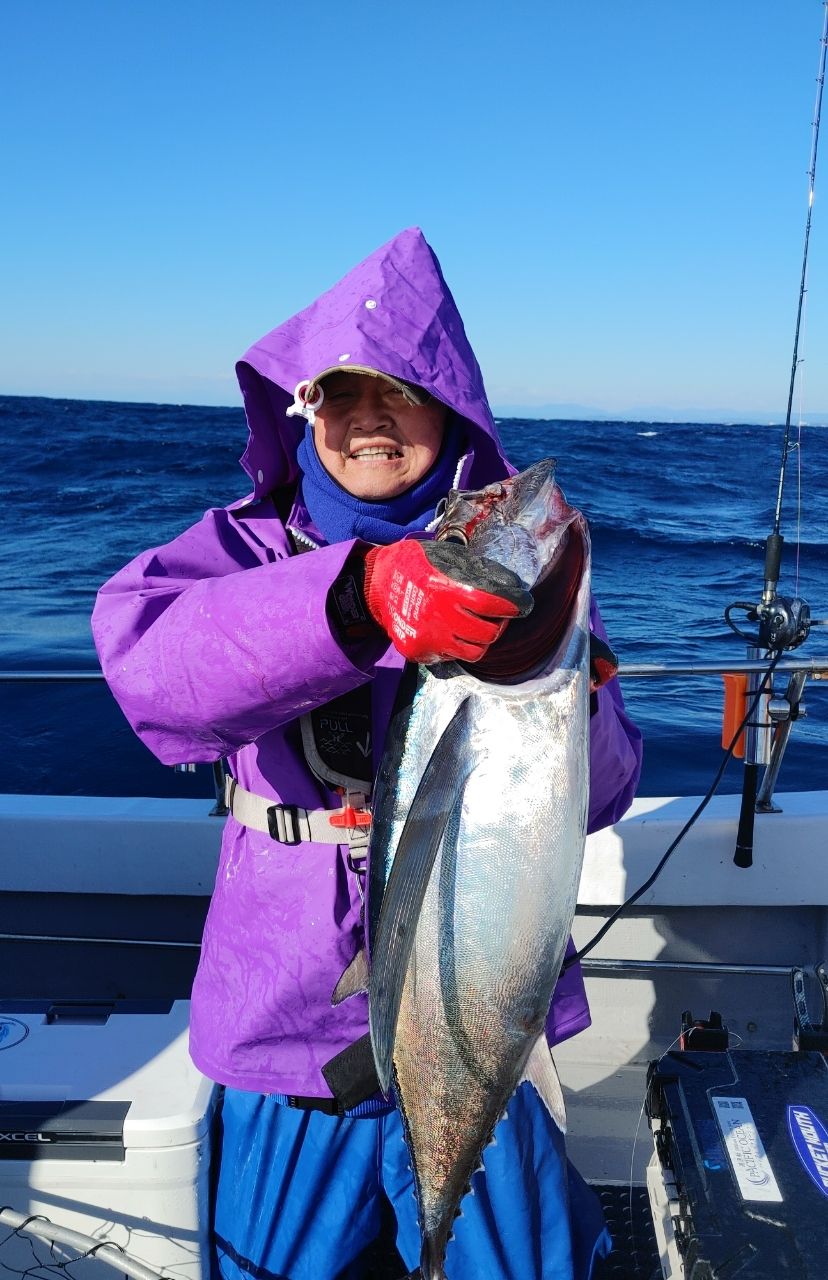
(652, 413)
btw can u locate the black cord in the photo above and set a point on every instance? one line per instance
(54, 1267)
(19, 1231)
(633, 898)
(752, 616)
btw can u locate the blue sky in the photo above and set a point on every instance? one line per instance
(617, 192)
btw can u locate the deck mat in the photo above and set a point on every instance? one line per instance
(635, 1253)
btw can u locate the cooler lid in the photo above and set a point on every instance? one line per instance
(744, 1136)
(106, 1075)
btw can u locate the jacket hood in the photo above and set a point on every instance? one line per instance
(393, 313)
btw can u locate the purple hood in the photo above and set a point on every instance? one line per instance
(394, 313)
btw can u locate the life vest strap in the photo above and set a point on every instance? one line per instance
(292, 824)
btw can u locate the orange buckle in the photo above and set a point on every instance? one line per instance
(350, 817)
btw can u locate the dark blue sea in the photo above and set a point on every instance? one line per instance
(678, 512)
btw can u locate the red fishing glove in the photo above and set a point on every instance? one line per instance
(603, 664)
(436, 601)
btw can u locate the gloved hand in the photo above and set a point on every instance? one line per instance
(437, 601)
(603, 663)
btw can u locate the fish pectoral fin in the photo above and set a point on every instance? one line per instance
(443, 780)
(354, 980)
(542, 1073)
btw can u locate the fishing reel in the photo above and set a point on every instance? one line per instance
(783, 623)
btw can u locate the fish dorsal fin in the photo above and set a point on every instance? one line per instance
(542, 1073)
(443, 779)
(354, 980)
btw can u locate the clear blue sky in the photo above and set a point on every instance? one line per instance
(616, 191)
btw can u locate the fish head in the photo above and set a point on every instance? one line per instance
(521, 522)
(525, 524)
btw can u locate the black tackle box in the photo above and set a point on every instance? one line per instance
(741, 1159)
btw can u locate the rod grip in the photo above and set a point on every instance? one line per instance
(743, 857)
(773, 557)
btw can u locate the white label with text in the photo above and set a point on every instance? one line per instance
(744, 1147)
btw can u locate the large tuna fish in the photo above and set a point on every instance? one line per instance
(476, 850)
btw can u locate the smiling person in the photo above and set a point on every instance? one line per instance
(273, 634)
(375, 437)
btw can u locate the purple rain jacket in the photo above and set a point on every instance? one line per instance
(216, 643)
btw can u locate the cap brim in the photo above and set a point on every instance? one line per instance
(413, 393)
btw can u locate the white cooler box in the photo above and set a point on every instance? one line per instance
(105, 1128)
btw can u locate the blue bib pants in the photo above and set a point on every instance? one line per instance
(299, 1196)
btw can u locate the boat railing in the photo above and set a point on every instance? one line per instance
(814, 668)
(775, 716)
(773, 722)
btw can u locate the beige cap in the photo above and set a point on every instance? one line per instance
(413, 393)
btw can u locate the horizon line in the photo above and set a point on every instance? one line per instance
(528, 413)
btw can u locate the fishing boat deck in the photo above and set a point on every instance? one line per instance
(104, 899)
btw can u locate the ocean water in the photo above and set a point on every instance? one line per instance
(678, 514)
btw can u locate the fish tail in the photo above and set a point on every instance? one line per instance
(432, 1258)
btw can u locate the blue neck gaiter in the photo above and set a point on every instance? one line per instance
(339, 516)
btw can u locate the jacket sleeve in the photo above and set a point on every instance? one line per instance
(615, 751)
(206, 648)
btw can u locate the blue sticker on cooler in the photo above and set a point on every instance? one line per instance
(12, 1032)
(810, 1138)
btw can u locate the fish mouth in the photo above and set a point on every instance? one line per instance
(528, 642)
(466, 510)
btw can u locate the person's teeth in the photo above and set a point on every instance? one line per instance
(375, 452)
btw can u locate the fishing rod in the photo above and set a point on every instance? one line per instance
(782, 622)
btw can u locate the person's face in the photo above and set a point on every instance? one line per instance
(371, 439)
